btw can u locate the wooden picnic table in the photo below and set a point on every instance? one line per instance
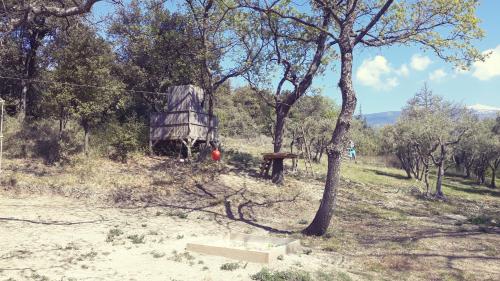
(269, 158)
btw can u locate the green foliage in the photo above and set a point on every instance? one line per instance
(313, 117)
(40, 139)
(125, 138)
(10, 56)
(479, 150)
(242, 113)
(81, 57)
(156, 49)
(484, 220)
(366, 139)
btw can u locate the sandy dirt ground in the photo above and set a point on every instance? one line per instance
(107, 221)
(48, 238)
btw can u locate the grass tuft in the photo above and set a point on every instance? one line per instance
(136, 239)
(230, 266)
(287, 275)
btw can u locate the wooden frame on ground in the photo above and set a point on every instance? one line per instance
(280, 246)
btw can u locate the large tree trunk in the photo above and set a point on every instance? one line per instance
(468, 170)
(405, 164)
(60, 128)
(24, 94)
(281, 114)
(321, 221)
(34, 38)
(425, 177)
(321, 153)
(440, 172)
(439, 181)
(494, 168)
(493, 177)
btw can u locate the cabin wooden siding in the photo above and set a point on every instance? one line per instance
(181, 125)
(184, 116)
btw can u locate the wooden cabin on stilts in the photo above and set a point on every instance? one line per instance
(183, 119)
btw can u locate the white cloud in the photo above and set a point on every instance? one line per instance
(483, 108)
(403, 71)
(419, 62)
(392, 82)
(373, 73)
(437, 74)
(490, 67)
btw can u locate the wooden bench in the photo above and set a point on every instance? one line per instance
(268, 158)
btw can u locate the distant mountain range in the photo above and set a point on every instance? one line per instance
(390, 117)
(382, 118)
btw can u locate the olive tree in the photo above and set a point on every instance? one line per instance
(448, 28)
(397, 140)
(480, 151)
(295, 55)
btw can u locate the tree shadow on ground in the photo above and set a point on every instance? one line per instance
(415, 236)
(235, 205)
(475, 190)
(50, 222)
(449, 259)
(387, 174)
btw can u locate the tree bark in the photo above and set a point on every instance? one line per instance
(34, 39)
(493, 177)
(281, 114)
(24, 95)
(425, 176)
(439, 181)
(321, 153)
(494, 168)
(440, 171)
(405, 164)
(323, 216)
(468, 170)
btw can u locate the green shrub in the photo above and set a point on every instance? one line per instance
(288, 275)
(230, 266)
(136, 239)
(113, 233)
(41, 139)
(124, 139)
(484, 220)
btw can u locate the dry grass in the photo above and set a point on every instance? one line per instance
(381, 230)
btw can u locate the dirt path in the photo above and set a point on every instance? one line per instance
(54, 238)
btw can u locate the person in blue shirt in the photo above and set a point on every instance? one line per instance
(352, 153)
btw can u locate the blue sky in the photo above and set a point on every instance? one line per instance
(386, 78)
(395, 85)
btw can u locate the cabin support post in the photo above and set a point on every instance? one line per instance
(189, 143)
